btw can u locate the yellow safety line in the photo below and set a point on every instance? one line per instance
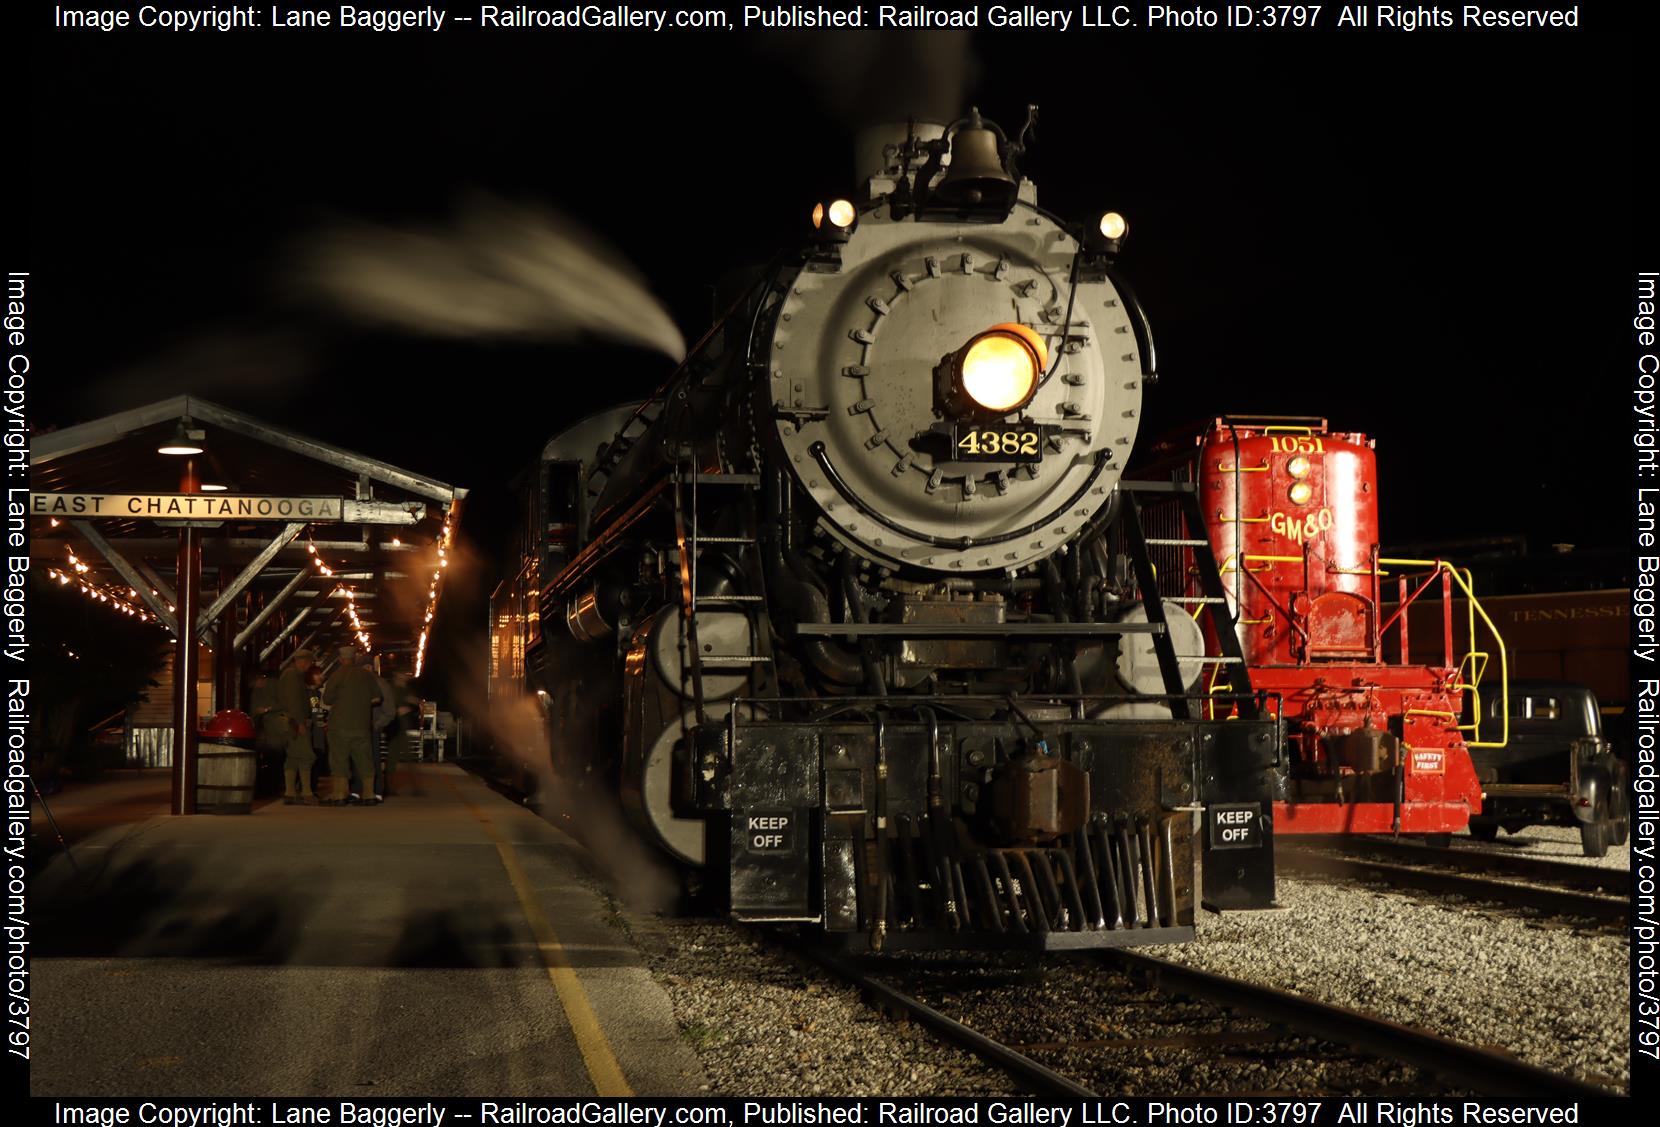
(601, 1062)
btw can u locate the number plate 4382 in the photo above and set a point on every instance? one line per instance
(997, 443)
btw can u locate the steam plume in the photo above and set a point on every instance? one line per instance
(501, 271)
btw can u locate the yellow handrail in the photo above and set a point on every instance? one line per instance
(1472, 685)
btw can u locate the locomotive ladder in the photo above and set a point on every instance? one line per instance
(753, 605)
(1195, 539)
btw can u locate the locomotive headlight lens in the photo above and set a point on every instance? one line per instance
(1114, 225)
(999, 373)
(842, 213)
(818, 216)
(996, 372)
(1000, 368)
(1298, 467)
(1301, 492)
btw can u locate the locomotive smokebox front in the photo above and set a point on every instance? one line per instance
(951, 392)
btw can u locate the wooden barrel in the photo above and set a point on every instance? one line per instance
(224, 777)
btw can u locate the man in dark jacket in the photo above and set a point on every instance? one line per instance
(294, 709)
(351, 695)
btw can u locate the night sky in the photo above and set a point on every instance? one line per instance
(1426, 237)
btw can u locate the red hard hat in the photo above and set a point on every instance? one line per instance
(230, 725)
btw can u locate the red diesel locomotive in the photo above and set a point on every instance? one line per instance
(1374, 741)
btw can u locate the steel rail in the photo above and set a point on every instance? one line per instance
(1040, 1080)
(1494, 1073)
(1563, 874)
(1558, 901)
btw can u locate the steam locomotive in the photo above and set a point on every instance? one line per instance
(858, 616)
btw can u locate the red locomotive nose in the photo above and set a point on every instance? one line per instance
(229, 724)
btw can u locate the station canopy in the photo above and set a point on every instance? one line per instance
(301, 542)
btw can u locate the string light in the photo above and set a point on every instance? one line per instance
(350, 593)
(118, 599)
(446, 541)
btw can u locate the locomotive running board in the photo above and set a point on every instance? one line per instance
(977, 629)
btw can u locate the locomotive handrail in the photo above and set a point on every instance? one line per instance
(766, 274)
(573, 572)
(1460, 576)
(1273, 602)
(945, 700)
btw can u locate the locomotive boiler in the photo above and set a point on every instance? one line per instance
(856, 615)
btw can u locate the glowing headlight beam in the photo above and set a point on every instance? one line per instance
(1000, 372)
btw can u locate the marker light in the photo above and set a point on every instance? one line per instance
(1114, 225)
(1298, 467)
(842, 213)
(1301, 492)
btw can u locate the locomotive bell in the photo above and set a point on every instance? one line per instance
(976, 174)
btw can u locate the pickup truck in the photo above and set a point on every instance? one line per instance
(1555, 769)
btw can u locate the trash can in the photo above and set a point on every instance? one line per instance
(226, 764)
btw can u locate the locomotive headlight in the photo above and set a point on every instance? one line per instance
(999, 373)
(994, 373)
(1299, 466)
(1301, 492)
(1114, 226)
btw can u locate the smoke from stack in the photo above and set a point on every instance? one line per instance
(500, 271)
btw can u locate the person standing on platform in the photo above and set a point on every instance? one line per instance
(351, 695)
(294, 706)
(270, 728)
(401, 704)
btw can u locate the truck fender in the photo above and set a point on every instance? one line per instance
(1594, 786)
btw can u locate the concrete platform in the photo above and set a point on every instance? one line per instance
(446, 943)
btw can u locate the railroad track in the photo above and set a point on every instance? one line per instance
(1487, 1071)
(1259, 1020)
(1555, 887)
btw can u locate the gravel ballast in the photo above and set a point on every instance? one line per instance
(1552, 995)
(1547, 843)
(765, 1024)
